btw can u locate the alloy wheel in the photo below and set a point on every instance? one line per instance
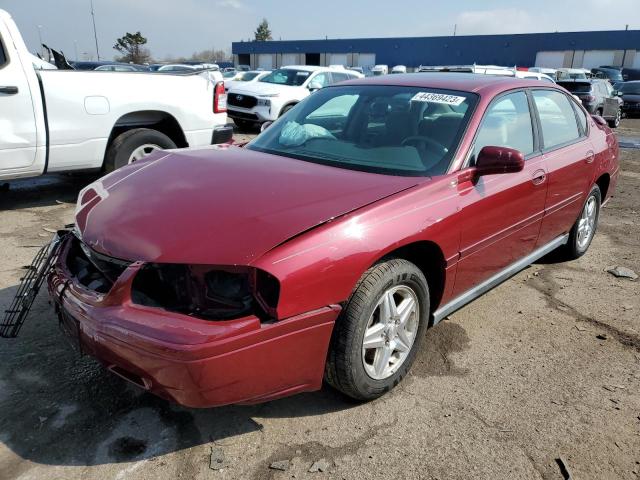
(587, 222)
(390, 332)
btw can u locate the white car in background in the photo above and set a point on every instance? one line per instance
(379, 70)
(534, 75)
(572, 74)
(242, 78)
(399, 69)
(251, 103)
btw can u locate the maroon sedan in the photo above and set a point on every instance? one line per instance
(326, 247)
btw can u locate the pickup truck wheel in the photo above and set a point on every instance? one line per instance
(378, 334)
(585, 227)
(615, 123)
(133, 145)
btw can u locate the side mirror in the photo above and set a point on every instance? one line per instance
(494, 160)
(617, 93)
(265, 125)
(313, 86)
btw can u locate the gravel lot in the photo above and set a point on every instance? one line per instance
(545, 366)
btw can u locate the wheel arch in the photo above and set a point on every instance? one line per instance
(603, 182)
(429, 258)
(153, 119)
(293, 103)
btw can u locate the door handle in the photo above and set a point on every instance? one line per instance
(591, 156)
(12, 90)
(538, 177)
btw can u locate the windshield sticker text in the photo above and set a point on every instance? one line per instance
(438, 98)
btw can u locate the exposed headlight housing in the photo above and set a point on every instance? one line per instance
(210, 293)
(263, 102)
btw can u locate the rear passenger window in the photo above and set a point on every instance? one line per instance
(557, 118)
(507, 123)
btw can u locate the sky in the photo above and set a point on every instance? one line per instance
(180, 28)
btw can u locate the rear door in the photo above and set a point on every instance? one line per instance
(501, 214)
(569, 157)
(18, 134)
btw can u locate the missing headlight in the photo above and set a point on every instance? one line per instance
(220, 293)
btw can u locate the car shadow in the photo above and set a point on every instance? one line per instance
(43, 191)
(58, 408)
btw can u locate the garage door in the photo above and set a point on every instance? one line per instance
(337, 59)
(289, 59)
(596, 58)
(366, 60)
(550, 59)
(265, 60)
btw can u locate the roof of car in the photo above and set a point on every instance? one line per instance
(469, 82)
(309, 68)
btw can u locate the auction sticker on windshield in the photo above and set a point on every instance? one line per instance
(438, 98)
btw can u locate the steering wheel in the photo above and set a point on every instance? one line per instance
(423, 144)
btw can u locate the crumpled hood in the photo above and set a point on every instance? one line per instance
(219, 205)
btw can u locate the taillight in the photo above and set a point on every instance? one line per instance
(219, 98)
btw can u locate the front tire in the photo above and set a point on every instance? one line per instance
(377, 337)
(134, 145)
(584, 229)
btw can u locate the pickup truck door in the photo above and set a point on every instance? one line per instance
(18, 132)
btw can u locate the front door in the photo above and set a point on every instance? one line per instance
(17, 118)
(501, 214)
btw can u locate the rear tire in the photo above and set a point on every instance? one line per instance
(124, 145)
(584, 229)
(365, 367)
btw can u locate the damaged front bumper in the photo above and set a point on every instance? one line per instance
(188, 360)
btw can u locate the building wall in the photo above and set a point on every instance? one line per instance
(519, 49)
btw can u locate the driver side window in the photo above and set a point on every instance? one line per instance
(507, 123)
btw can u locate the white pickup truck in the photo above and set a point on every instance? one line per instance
(66, 120)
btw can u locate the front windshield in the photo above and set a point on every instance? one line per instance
(229, 74)
(287, 76)
(406, 131)
(631, 88)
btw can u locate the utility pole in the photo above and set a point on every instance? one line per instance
(95, 34)
(455, 29)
